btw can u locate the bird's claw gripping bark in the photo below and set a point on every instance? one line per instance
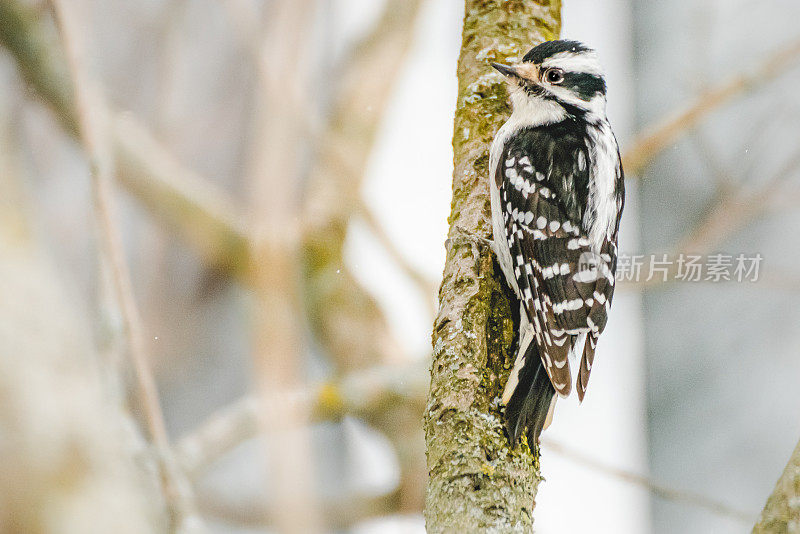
(461, 235)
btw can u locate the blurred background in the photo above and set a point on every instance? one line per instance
(319, 131)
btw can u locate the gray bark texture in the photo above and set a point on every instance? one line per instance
(782, 511)
(476, 482)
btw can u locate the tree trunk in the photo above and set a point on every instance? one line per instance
(476, 482)
(782, 511)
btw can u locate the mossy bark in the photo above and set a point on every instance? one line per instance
(476, 482)
(782, 511)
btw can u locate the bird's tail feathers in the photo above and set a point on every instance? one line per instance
(530, 407)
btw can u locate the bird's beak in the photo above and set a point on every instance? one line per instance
(506, 70)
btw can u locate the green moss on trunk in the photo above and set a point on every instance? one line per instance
(476, 481)
(781, 514)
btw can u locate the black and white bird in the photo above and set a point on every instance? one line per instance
(557, 193)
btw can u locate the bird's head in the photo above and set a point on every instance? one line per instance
(557, 78)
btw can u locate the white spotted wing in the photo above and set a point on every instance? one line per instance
(565, 287)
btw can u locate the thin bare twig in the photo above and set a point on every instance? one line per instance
(657, 137)
(176, 488)
(660, 490)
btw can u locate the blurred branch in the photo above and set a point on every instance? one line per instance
(69, 460)
(339, 309)
(339, 514)
(369, 395)
(226, 429)
(730, 212)
(659, 136)
(246, 18)
(202, 214)
(194, 209)
(345, 318)
(361, 393)
(93, 137)
(170, 55)
(719, 171)
(782, 511)
(659, 490)
(385, 397)
(735, 209)
(42, 68)
(274, 173)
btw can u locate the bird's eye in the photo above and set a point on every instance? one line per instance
(554, 76)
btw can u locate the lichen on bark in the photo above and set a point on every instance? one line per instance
(476, 481)
(781, 514)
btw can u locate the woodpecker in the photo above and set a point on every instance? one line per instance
(557, 194)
